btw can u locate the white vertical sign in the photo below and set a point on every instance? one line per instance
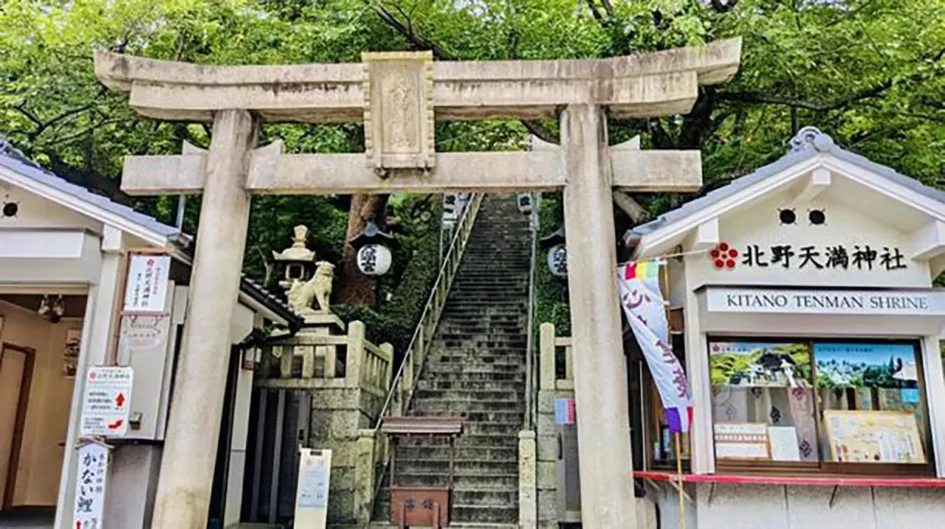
(90, 484)
(311, 498)
(146, 287)
(107, 401)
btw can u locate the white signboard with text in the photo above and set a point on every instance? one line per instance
(311, 501)
(856, 302)
(146, 287)
(107, 402)
(90, 484)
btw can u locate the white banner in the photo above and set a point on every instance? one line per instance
(90, 484)
(645, 309)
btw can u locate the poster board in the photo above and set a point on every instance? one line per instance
(868, 436)
(311, 498)
(744, 441)
(107, 401)
(147, 283)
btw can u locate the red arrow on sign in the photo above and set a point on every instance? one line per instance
(120, 399)
(116, 425)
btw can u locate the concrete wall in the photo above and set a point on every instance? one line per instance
(797, 507)
(47, 416)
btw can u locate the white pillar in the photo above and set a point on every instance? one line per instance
(600, 371)
(183, 495)
(96, 330)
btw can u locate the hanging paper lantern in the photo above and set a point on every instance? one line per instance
(374, 259)
(558, 260)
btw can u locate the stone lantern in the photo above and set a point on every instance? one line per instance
(299, 261)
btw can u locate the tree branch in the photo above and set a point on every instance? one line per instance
(637, 213)
(412, 36)
(406, 30)
(866, 93)
(608, 7)
(595, 12)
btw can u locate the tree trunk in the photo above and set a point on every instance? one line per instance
(355, 288)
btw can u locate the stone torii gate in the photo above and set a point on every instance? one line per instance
(398, 96)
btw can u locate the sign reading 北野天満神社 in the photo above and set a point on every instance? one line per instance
(862, 257)
(862, 302)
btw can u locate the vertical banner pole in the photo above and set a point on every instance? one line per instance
(679, 477)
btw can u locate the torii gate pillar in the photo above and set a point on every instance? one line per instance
(398, 96)
(600, 372)
(187, 463)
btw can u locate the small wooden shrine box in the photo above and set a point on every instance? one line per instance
(413, 505)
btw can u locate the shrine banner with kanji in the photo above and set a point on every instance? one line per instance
(643, 303)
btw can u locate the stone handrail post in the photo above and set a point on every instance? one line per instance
(355, 355)
(548, 343)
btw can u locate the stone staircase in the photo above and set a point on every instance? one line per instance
(476, 370)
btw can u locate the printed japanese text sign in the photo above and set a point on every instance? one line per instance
(311, 501)
(107, 401)
(90, 483)
(146, 287)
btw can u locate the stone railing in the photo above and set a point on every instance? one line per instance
(314, 359)
(555, 351)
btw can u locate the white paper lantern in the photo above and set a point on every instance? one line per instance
(558, 260)
(374, 259)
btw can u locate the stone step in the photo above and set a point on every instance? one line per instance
(486, 497)
(450, 367)
(484, 343)
(459, 310)
(461, 467)
(484, 513)
(440, 349)
(466, 394)
(442, 452)
(441, 407)
(453, 525)
(485, 480)
(477, 376)
(439, 384)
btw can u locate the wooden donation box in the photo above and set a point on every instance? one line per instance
(421, 504)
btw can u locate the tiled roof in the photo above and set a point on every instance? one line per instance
(13, 159)
(16, 161)
(808, 143)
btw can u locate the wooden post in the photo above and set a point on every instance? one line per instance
(183, 493)
(600, 371)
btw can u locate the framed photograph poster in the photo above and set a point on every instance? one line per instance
(869, 436)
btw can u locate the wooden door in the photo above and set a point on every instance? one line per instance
(16, 370)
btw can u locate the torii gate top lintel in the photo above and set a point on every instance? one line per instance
(330, 93)
(398, 95)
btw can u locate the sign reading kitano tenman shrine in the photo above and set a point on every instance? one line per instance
(398, 96)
